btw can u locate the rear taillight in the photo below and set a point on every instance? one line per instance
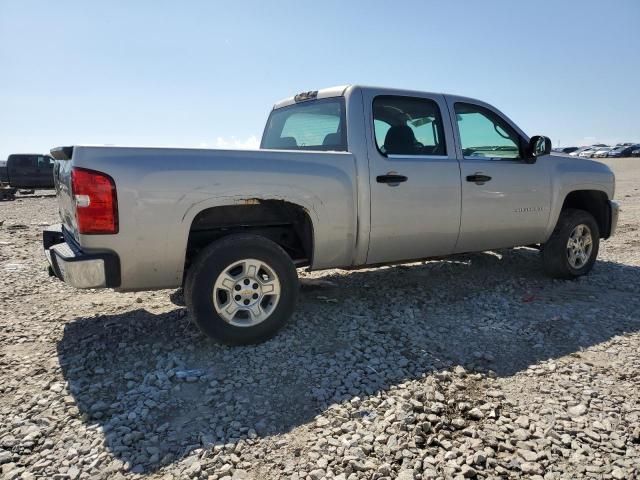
(94, 194)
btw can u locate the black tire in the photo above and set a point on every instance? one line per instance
(216, 258)
(554, 254)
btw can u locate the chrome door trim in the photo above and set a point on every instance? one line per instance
(418, 157)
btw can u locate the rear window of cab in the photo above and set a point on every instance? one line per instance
(312, 125)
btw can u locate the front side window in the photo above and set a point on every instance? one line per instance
(314, 125)
(484, 134)
(408, 126)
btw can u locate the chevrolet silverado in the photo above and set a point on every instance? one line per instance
(345, 177)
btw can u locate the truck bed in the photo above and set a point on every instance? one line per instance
(161, 190)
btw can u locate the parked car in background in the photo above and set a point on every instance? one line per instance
(577, 152)
(565, 149)
(345, 177)
(30, 170)
(623, 151)
(595, 146)
(602, 152)
(589, 152)
(635, 153)
(3, 172)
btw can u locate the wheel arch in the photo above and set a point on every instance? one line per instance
(287, 223)
(596, 202)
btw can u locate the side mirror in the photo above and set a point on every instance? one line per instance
(538, 146)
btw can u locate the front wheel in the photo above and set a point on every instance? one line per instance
(241, 289)
(573, 247)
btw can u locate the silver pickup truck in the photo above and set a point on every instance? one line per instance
(344, 177)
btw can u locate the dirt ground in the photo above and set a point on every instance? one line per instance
(474, 367)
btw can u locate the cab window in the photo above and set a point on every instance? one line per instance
(484, 134)
(314, 125)
(408, 126)
(44, 161)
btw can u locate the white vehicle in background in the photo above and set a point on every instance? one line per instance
(591, 151)
(578, 151)
(602, 153)
(595, 146)
(588, 153)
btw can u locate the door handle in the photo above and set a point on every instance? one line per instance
(391, 179)
(478, 178)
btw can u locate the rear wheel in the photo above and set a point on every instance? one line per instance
(573, 247)
(241, 289)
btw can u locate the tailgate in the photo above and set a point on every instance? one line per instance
(62, 181)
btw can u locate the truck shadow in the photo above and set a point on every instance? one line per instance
(159, 389)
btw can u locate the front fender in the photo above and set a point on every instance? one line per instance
(561, 194)
(569, 174)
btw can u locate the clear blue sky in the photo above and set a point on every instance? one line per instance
(206, 73)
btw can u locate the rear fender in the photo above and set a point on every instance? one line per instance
(327, 249)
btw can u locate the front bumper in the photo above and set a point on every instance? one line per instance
(614, 209)
(77, 268)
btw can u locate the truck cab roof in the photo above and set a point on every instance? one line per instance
(343, 90)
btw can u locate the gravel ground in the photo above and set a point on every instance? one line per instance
(475, 367)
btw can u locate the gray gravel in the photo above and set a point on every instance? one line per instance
(475, 367)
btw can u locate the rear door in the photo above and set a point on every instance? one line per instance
(505, 200)
(44, 172)
(414, 177)
(22, 170)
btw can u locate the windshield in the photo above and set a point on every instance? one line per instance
(314, 125)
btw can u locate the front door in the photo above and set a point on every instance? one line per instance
(44, 175)
(414, 177)
(505, 199)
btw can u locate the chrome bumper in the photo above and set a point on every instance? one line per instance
(77, 268)
(614, 208)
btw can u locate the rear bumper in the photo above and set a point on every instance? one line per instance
(75, 267)
(614, 209)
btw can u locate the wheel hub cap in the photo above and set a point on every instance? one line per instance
(579, 246)
(246, 292)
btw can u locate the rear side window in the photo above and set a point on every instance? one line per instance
(408, 126)
(314, 125)
(23, 161)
